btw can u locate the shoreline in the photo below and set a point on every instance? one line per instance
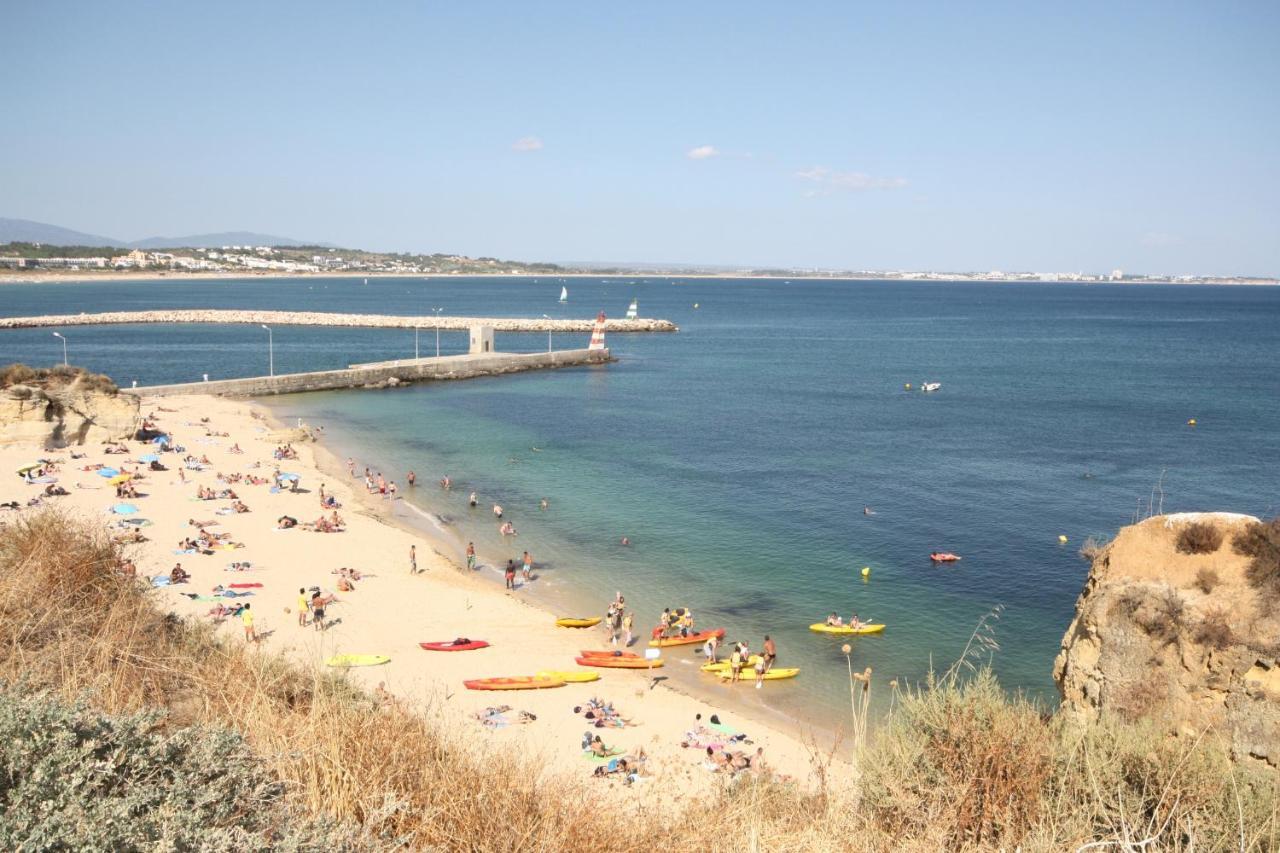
(63, 277)
(447, 541)
(390, 611)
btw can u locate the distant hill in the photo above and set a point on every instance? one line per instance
(26, 231)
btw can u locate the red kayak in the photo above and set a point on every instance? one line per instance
(608, 654)
(697, 637)
(244, 585)
(452, 646)
(943, 557)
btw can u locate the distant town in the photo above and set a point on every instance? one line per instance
(34, 260)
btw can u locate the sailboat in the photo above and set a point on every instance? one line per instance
(564, 294)
(633, 309)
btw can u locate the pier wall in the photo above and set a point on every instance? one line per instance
(383, 374)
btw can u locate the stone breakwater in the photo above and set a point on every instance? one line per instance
(315, 318)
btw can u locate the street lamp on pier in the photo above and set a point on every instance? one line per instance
(271, 351)
(437, 310)
(64, 347)
(545, 317)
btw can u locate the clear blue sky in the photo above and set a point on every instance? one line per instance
(1066, 136)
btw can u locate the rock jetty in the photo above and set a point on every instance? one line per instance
(317, 318)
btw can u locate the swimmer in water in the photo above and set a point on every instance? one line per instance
(626, 541)
(445, 482)
(472, 500)
(497, 511)
(866, 510)
(545, 503)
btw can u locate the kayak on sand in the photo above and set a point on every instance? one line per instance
(602, 653)
(518, 682)
(620, 662)
(572, 676)
(570, 622)
(771, 675)
(455, 646)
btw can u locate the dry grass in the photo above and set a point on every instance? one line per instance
(1261, 541)
(959, 765)
(1214, 630)
(1093, 548)
(1207, 579)
(1199, 537)
(55, 377)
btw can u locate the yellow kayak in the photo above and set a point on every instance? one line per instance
(846, 629)
(572, 676)
(569, 622)
(723, 666)
(771, 675)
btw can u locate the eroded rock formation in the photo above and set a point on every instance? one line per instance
(65, 415)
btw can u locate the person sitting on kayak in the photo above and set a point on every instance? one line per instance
(686, 623)
(854, 621)
(834, 621)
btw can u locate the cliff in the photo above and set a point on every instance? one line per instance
(61, 414)
(1171, 627)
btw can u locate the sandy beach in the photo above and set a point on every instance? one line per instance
(390, 610)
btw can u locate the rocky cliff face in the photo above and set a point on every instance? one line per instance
(1180, 638)
(69, 414)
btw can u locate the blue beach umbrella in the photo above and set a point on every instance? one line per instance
(160, 439)
(108, 472)
(124, 509)
(288, 476)
(150, 457)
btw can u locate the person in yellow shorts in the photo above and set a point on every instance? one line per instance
(246, 616)
(303, 607)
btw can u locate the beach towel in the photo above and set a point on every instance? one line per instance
(189, 551)
(160, 580)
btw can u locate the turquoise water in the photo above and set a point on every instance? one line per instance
(738, 454)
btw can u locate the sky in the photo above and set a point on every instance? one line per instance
(954, 136)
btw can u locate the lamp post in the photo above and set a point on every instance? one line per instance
(437, 310)
(545, 317)
(415, 342)
(64, 348)
(271, 351)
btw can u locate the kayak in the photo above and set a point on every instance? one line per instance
(600, 653)
(771, 675)
(620, 663)
(357, 660)
(845, 629)
(451, 646)
(569, 622)
(698, 637)
(519, 682)
(572, 676)
(723, 666)
(943, 557)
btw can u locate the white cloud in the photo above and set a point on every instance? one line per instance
(703, 152)
(830, 181)
(527, 143)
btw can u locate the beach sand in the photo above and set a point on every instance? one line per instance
(391, 610)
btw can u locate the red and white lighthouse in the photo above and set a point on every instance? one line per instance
(597, 334)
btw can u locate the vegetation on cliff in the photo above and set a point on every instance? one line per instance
(55, 378)
(268, 754)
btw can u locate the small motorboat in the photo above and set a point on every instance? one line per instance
(943, 557)
(930, 386)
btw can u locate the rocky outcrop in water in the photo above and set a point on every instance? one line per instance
(1177, 637)
(65, 415)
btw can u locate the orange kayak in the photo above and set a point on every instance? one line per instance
(698, 637)
(604, 653)
(619, 662)
(519, 682)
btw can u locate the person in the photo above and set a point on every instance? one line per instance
(627, 622)
(302, 607)
(413, 479)
(391, 490)
(866, 510)
(317, 609)
(665, 619)
(445, 482)
(286, 522)
(471, 555)
(834, 621)
(686, 622)
(511, 574)
(413, 559)
(497, 511)
(528, 566)
(598, 748)
(615, 625)
(854, 621)
(545, 503)
(761, 666)
(711, 647)
(178, 574)
(472, 500)
(770, 652)
(351, 466)
(246, 616)
(508, 529)
(735, 664)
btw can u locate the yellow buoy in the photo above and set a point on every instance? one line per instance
(695, 305)
(1062, 539)
(906, 386)
(1191, 422)
(866, 571)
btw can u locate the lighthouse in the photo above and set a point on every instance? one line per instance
(597, 334)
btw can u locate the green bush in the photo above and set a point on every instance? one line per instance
(74, 779)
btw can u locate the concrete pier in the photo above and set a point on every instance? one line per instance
(320, 318)
(384, 374)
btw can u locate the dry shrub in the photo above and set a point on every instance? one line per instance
(1093, 548)
(1140, 697)
(1214, 630)
(60, 376)
(1261, 541)
(1199, 537)
(1207, 579)
(16, 374)
(1160, 614)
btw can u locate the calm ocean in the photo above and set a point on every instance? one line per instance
(738, 454)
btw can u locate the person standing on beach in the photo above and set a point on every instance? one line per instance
(471, 556)
(303, 607)
(615, 624)
(246, 616)
(391, 491)
(628, 622)
(760, 669)
(413, 479)
(413, 559)
(511, 574)
(770, 653)
(528, 566)
(382, 484)
(351, 466)
(711, 647)
(317, 610)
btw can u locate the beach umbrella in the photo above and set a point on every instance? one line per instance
(160, 439)
(108, 472)
(150, 457)
(33, 466)
(124, 509)
(120, 478)
(289, 477)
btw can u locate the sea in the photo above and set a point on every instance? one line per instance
(774, 461)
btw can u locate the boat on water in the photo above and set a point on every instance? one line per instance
(633, 310)
(564, 294)
(930, 386)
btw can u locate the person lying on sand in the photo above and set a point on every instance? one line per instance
(240, 507)
(286, 522)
